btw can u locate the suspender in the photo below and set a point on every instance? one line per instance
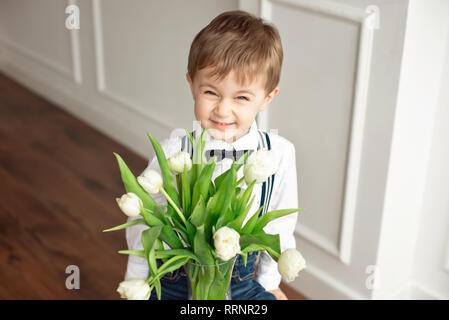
(267, 186)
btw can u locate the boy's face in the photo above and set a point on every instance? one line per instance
(227, 109)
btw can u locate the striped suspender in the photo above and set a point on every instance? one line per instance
(267, 186)
(187, 147)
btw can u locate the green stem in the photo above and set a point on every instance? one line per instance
(178, 184)
(240, 181)
(174, 206)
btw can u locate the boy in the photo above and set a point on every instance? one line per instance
(233, 72)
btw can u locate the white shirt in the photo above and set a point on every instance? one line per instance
(284, 196)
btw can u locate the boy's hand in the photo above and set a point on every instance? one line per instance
(278, 294)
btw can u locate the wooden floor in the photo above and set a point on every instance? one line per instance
(58, 184)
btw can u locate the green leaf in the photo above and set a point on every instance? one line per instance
(269, 216)
(199, 213)
(212, 212)
(126, 225)
(244, 257)
(201, 248)
(226, 214)
(198, 160)
(251, 223)
(236, 224)
(154, 270)
(186, 200)
(203, 251)
(191, 230)
(176, 252)
(169, 185)
(172, 264)
(149, 236)
(139, 253)
(150, 215)
(183, 234)
(131, 185)
(160, 246)
(179, 187)
(245, 197)
(261, 241)
(202, 185)
(237, 196)
(241, 161)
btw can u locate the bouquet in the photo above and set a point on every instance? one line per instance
(202, 223)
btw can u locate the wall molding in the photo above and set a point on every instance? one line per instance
(366, 19)
(76, 50)
(446, 257)
(101, 75)
(313, 282)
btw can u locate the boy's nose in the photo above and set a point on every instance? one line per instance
(223, 109)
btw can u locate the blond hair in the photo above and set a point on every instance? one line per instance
(240, 42)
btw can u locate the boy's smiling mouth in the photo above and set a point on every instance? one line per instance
(221, 125)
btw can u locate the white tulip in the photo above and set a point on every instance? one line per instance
(227, 243)
(260, 165)
(290, 263)
(178, 160)
(133, 289)
(151, 181)
(130, 204)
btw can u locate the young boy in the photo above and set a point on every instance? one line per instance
(233, 72)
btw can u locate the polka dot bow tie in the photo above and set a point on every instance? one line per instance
(222, 153)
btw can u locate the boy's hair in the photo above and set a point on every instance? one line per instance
(239, 41)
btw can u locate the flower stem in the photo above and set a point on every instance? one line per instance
(174, 206)
(240, 181)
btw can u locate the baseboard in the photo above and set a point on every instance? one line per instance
(317, 285)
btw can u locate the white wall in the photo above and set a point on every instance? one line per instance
(431, 255)
(413, 252)
(123, 72)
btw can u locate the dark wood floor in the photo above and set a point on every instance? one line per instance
(58, 184)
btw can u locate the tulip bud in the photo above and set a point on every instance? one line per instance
(178, 160)
(133, 289)
(260, 165)
(227, 243)
(151, 181)
(130, 204)
(290, 263)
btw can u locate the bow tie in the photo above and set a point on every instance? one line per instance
(230, 154)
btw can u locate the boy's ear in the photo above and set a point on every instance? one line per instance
(189, 80)
(268, 98)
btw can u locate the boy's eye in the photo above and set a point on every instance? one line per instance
(209, 92)
(242, 98)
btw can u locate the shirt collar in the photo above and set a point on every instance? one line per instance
(248, 141)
